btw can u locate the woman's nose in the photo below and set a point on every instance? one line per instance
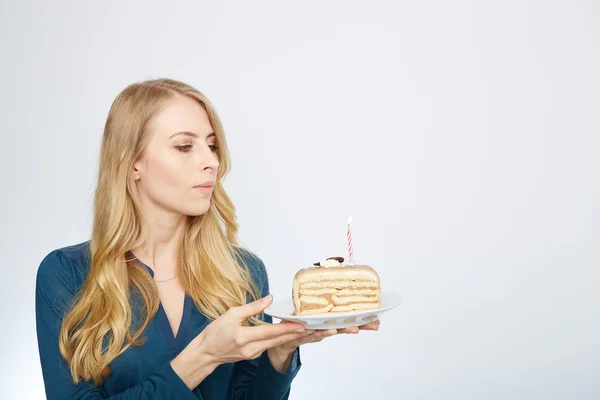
(208, 159)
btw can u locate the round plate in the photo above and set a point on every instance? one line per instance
(283, 309)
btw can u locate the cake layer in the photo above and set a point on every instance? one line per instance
(338, 284)
(353, 307)
(333, 299)
(359, 272)
(342, 308)
(319, 310)
(332, 290)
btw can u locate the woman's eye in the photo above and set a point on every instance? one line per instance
(214, 147)
(184, 148)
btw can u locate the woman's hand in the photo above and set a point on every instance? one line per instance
(224, 341)
(281, 356)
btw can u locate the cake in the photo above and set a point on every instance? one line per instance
(330, 286)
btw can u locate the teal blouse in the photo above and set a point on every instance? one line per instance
(145, 372)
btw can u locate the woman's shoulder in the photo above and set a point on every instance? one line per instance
(64, 267)
(247, 256)
(254, 263)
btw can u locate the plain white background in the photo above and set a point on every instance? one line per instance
(461, 135)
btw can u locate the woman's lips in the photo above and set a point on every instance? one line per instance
(205, 187)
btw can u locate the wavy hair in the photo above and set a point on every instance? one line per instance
(98, 327)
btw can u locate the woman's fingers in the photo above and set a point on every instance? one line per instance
(269, 331)
(320, 335)
(352, 329)
(371, 326)
(252, 309)
(259, 346)
(257, 339)
(314, 337)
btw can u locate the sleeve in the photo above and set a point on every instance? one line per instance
(55, 290)
(258, 379)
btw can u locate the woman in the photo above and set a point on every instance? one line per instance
(162, 303)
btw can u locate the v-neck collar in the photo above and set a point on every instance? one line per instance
(176, 343)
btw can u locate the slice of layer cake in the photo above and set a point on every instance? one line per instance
(332, 287)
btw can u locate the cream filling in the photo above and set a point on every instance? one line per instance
(316, 292)
(330, 263)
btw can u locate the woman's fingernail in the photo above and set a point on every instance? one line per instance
(300, 330)
(268, 298)
(310, 332)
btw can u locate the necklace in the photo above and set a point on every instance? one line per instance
(157, 281)
(166, 280)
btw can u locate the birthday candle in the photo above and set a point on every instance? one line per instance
(350, 249)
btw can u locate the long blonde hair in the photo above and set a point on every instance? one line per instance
(98, 327)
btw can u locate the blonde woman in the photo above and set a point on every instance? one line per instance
(162, 302)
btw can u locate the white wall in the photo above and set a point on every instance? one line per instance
(462, 136)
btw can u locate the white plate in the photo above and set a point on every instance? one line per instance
(283, 309)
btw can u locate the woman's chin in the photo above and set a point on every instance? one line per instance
(196, 211)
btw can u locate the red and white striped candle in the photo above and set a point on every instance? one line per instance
(350, 249)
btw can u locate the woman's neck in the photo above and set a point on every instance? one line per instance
(160, 248)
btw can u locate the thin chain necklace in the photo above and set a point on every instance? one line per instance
(166, 280)
(157, 281)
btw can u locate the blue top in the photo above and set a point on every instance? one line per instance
(144, 372)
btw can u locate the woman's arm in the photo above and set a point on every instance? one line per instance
(258, 378)
(55, 289)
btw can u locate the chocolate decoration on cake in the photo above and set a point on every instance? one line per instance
(338, 259)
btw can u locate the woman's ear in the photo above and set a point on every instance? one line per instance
(136, 171)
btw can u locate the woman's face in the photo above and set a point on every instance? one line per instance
(178, 168)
